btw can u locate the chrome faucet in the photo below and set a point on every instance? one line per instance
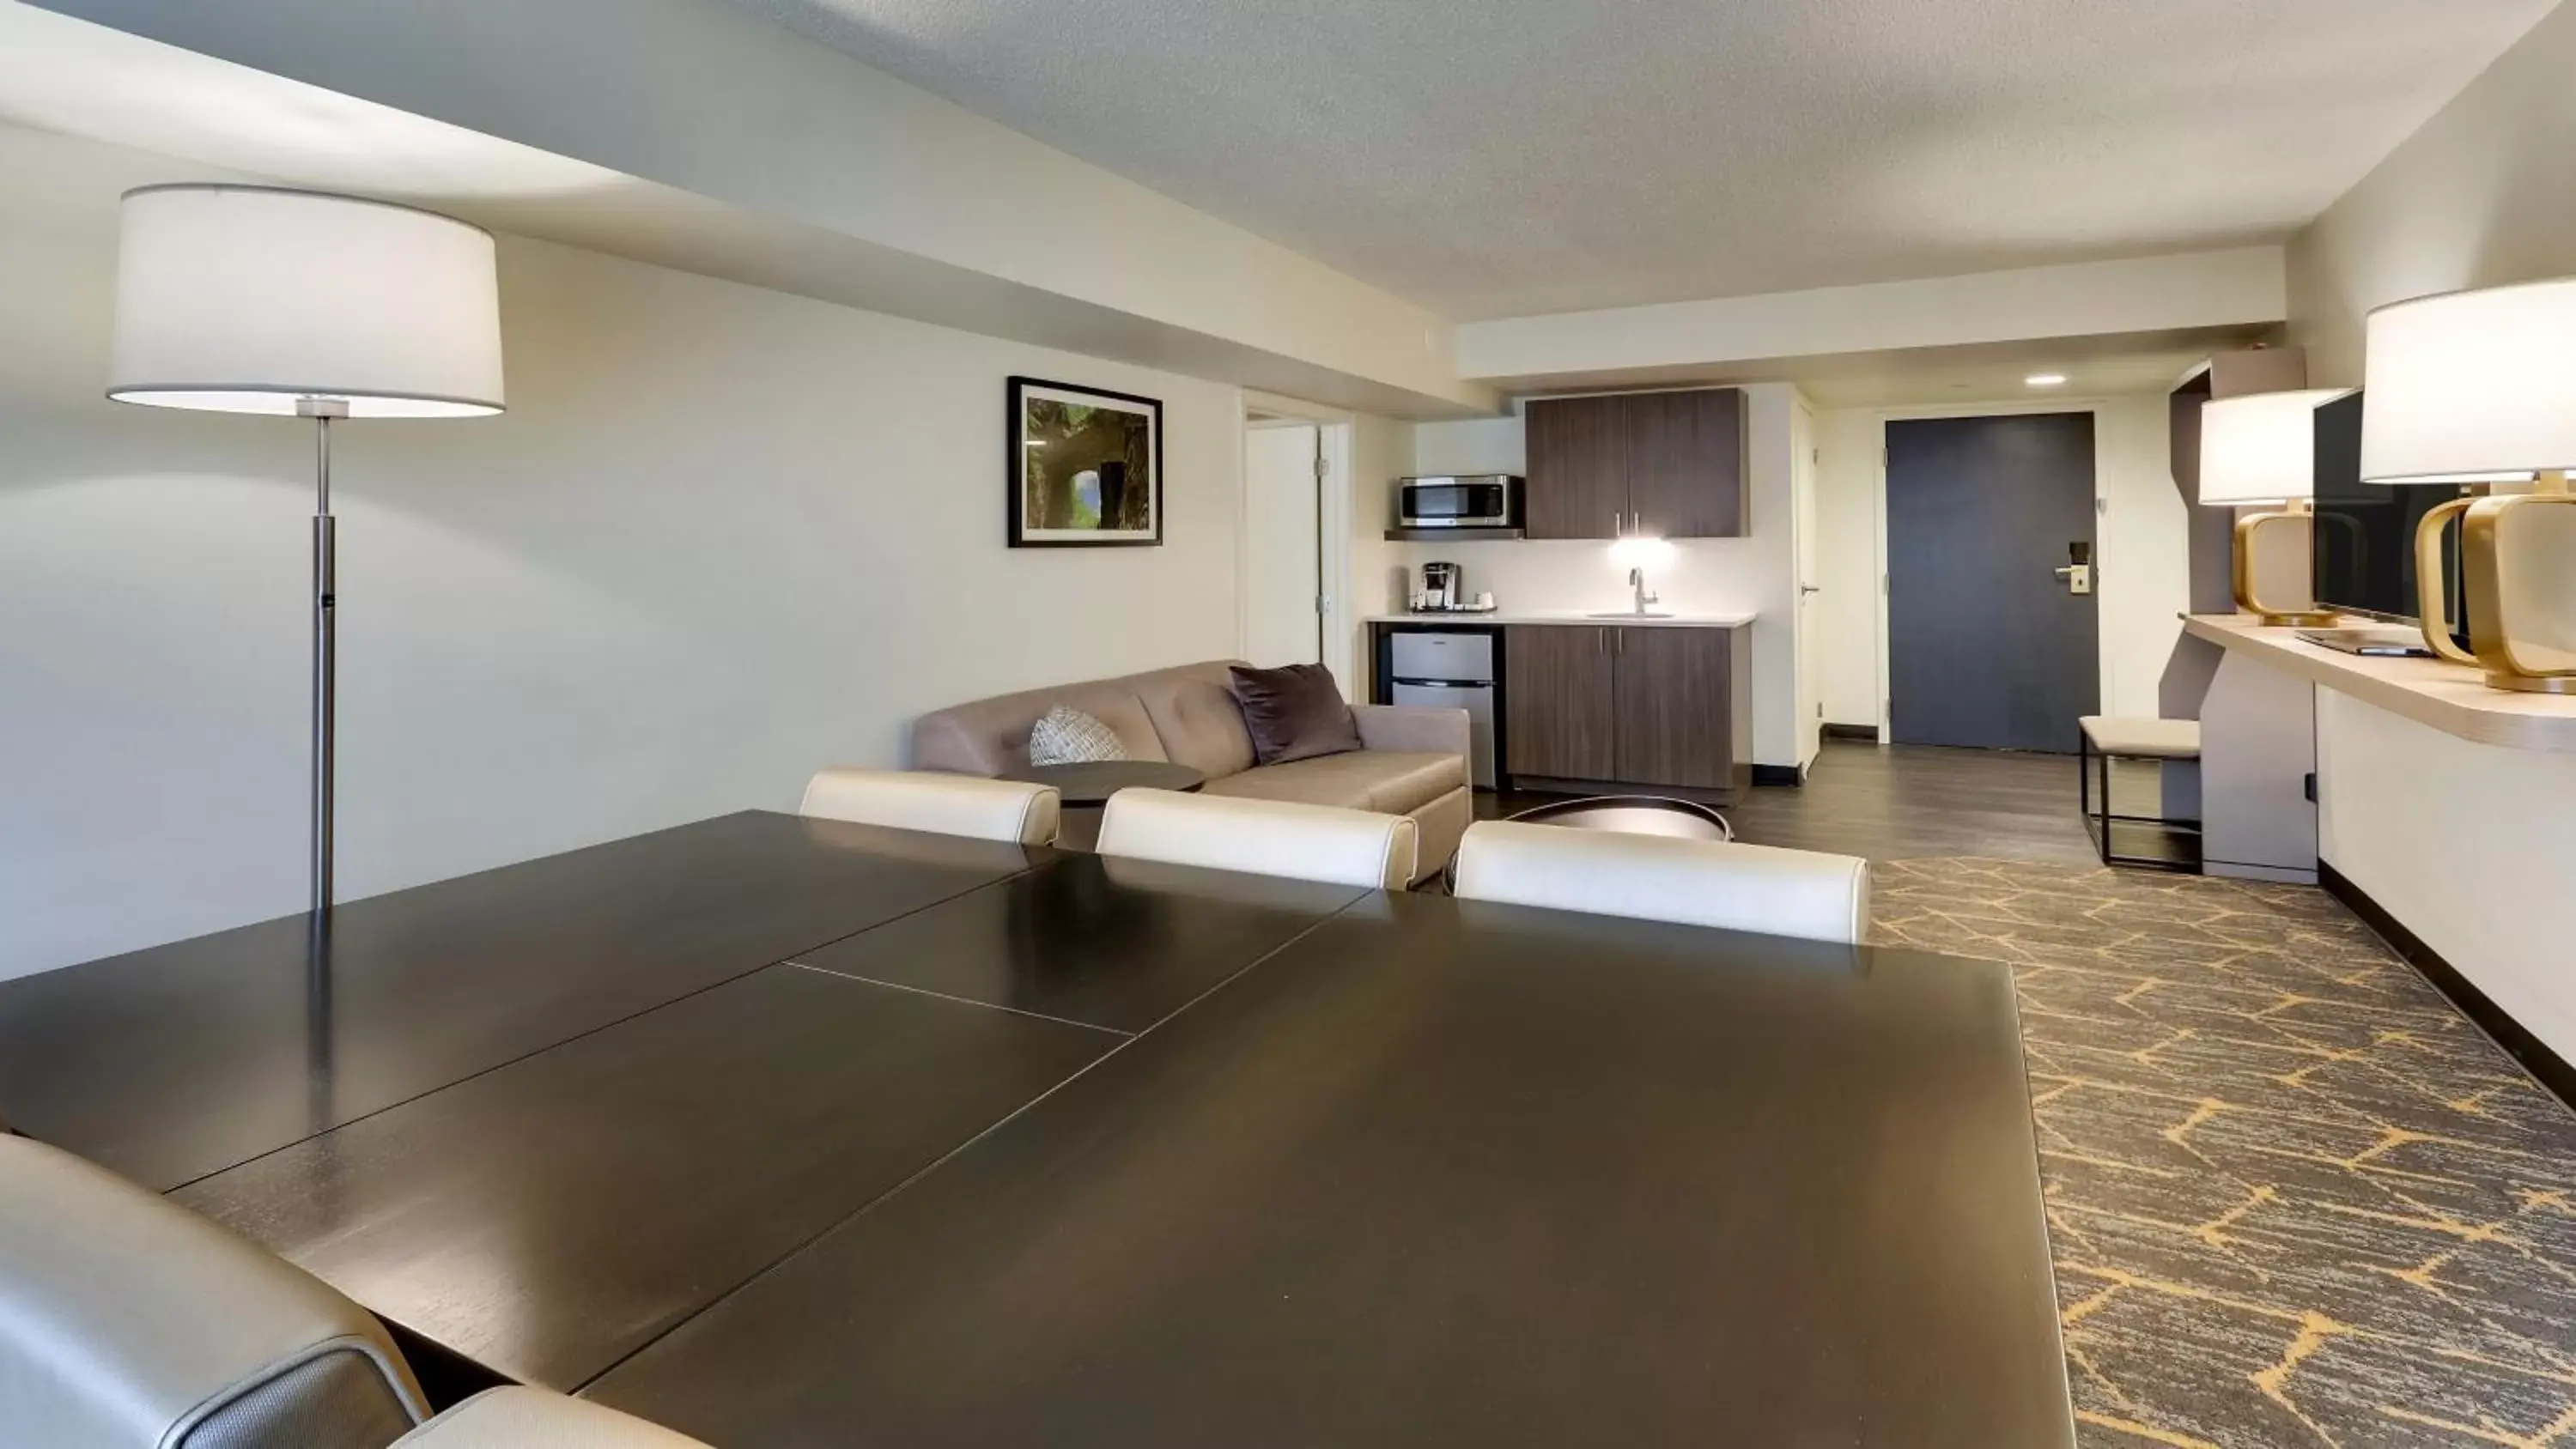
(1637, 581)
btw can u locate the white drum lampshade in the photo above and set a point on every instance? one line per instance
(2472, 387)
(2261, 448)
(251, 299)
(2480, 387)
(255, 299)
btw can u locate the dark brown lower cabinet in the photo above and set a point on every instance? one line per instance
(1557, 703)
(1639, 705)
(1673, 707)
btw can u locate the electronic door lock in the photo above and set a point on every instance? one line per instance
(2078, 570)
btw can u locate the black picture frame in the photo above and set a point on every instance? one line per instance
(1016, 442)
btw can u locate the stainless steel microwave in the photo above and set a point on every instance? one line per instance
(1481, 500)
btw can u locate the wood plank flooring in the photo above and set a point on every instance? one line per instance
(1892, 802)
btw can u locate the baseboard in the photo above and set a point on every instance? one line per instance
(1554, 785)
(1775, 775)
(2552, 1070)
(1866, 734)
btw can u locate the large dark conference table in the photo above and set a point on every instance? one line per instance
(790, 1132)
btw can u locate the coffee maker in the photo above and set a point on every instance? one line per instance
(1443, 586)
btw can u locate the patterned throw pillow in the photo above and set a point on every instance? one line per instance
(1067, 736)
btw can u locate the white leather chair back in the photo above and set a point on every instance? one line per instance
(128, 1322)
(1262, 837)
(523, 1418)
(1659, 878)
(1007, 810)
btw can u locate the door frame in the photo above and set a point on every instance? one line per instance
(1805, 462)
(1332, 520)
(2018, 407)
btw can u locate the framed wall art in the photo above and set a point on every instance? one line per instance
(1085, 466)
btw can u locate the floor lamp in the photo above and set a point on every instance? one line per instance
(250, 299)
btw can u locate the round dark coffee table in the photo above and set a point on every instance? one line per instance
(1633, 815)
(1093, 781)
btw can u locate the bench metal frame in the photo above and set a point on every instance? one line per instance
(2097, 824)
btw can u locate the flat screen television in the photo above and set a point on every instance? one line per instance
(2365, 532)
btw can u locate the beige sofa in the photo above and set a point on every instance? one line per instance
(1414, 761)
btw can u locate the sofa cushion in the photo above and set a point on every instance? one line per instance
(1066, 736)
(1194, 713)
(991, 736)
(1392, 782)
(1293, 713)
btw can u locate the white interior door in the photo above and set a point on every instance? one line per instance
(1282, 554)
(1807, 635)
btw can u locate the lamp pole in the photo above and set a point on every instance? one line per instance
(325, 639)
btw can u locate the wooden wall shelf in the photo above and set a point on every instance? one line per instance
(1452, 535)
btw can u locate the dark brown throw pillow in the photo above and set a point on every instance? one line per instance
(1294, 713)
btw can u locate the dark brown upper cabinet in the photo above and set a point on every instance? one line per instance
(1665, 464)
(1575, 483)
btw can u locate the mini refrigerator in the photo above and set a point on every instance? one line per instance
(1451, 671)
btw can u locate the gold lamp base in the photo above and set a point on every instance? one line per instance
(2246, 528)
(2510, 664)
(2533, 683)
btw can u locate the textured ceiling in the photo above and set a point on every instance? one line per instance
(1495, 158)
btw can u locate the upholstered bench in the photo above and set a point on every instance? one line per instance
(2107, 738)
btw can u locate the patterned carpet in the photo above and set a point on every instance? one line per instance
(2295, 1197)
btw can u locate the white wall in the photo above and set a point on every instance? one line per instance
(2479, 196)
(2466, 844)
(715, 100)
(1754, 574)
(723, 536)
(2147, 294)
(2141, 540)
(1381, 452)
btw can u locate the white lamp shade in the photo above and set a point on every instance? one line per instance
(248, 299)
(2471, 387)
(2261, 448)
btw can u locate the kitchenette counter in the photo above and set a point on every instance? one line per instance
(1579, 703)
(1506, 616)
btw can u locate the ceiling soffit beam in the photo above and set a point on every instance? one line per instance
(713, 101)
(2238, 286)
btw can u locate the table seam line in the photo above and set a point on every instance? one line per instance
(952, 1153)
(960, 1000)
(593, 1031)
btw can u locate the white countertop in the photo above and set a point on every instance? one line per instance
(1507, 616)
(2449, 697)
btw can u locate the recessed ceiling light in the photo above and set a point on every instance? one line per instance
(2045, 379)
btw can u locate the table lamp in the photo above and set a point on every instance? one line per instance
(2472, 388)
(2262, 449)
(248, 299)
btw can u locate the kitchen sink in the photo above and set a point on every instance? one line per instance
(1628, 614)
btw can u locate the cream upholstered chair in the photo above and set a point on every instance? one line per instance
(1262, 837)
(128, 1322)
(1660, 878)
(520, 1418)
(1007, 810)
